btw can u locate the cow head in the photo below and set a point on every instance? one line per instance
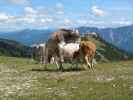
(82, 45)
(66, 35)
(73, 35)
(75, 32)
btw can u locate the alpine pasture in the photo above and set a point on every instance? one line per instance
(22, 79)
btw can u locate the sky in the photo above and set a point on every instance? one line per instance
(44, 14)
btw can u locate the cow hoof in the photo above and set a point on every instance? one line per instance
(61, 69)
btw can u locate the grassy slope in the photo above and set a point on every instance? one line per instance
(13, 48)
(109, 81)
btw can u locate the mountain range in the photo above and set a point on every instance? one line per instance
(121, 37)
(27, 36)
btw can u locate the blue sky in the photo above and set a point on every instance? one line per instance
(43, 14)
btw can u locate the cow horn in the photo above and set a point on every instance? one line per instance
(77, 31)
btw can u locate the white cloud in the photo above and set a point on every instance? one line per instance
(46, 20)
(68, 21)
(28, 19)
(59, 8)
(97, 11)
(88, 22)
(49, 20)
(35, 16)
(30, 10)
(60, 12)
(59, 5)
(43, 20)
(82, 22)
(20, 2)
(3, 16)
(31, 17)
(122, 22)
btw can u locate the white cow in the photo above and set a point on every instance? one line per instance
(67, 51)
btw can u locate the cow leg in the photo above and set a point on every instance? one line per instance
(41, 60)
(43, 57)
(76, 63)
(61, 66)
(55, 60)
(92, 64)
(57, 64)
(72, 63)
(87, 61)
(61, 59)
(85, 67)
(46, 54)
(46, 62)
(60, 62)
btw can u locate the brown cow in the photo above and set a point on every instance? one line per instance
(88, 51)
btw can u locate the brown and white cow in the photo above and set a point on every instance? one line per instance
(52, 45)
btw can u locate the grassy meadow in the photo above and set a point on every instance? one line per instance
(23, 79)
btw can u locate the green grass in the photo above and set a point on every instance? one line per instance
(22, 79)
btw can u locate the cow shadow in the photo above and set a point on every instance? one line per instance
(57, 70)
